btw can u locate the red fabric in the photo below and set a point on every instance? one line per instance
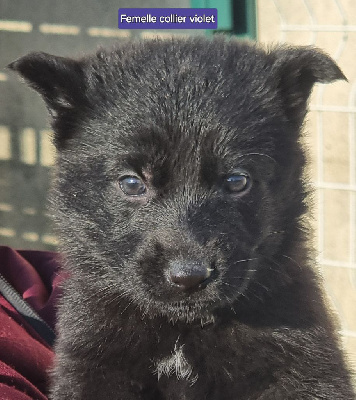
(24, 357)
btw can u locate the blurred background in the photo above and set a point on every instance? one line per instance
(75, 28)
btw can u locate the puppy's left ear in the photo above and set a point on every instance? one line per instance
(296, 70)
(59, 80)
(62, 84)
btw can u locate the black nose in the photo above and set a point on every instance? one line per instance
(188, 274)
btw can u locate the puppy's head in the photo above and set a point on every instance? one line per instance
(179, 184)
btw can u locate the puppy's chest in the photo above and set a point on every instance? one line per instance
(175, 365)
(198, 369)
(191, 360)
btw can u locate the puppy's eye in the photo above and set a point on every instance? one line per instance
(132, 186)
(236, 183)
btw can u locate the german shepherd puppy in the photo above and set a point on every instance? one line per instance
(180, 200)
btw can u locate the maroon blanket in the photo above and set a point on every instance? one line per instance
(24, 357)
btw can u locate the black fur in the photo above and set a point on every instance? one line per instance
(183, 116)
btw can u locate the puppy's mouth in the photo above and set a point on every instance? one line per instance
(189, 311)
(191, 288)
(188, 292)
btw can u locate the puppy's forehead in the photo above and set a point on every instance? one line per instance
(184, 103)
(191, 91)
(164, 146)
(192, 138)
(185, 153)
(181, 81)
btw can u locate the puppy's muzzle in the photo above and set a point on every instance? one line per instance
(188, 275)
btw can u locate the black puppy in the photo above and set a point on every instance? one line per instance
(179, 199)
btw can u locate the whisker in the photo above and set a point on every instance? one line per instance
(258, 154)
(247, 259)
(293, 260)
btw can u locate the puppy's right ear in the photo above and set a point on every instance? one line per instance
(59, 80)
(295, 71)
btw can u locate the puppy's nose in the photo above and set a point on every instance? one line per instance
(188, 274)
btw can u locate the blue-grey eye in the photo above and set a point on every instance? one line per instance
(236, 183)
(132, 186)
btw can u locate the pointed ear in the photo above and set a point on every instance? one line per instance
(62, 84)
(59, 80)
(296, 70)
